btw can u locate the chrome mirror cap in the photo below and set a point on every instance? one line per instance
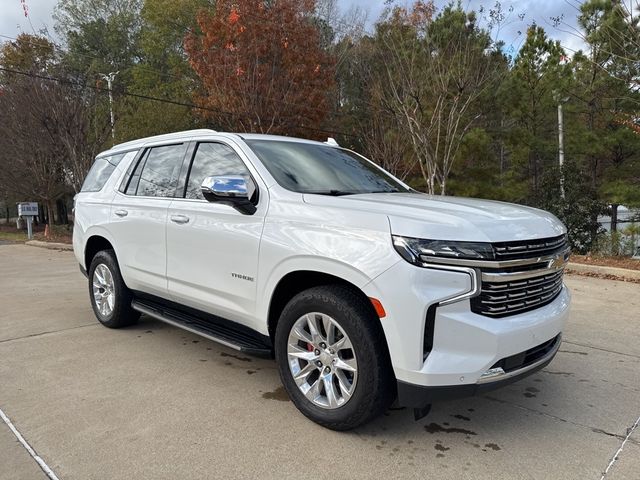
(233, 186)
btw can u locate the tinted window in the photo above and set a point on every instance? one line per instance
(213, 159)
(313, 168)
(135, 177)
(156, 175)
(100, 172)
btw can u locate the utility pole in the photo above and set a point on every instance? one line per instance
(561, 148)
(561, 101)
(109, 79)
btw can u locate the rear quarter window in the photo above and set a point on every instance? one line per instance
(100, 172)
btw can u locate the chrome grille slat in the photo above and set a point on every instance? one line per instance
(513, 308)
(490, 299)
(528, 248)
(516, 290)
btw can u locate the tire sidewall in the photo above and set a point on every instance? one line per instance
(349, 320)
(107, 258)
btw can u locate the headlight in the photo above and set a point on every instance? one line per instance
(418, 251)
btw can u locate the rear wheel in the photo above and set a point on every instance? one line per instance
(110, 297)
(332, 357)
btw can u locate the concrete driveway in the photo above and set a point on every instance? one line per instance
(154, 402)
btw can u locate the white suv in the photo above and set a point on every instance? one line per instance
(365, 290)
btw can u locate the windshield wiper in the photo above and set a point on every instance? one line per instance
(333, 193)
(395, 190)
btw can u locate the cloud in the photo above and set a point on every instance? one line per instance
(513, 31)
(13, 21)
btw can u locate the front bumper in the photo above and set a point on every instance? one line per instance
(418, 396)
(464, 345)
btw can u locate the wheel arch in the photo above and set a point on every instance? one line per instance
(95, 243)
(297, 281)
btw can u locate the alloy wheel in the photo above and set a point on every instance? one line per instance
(322, 360)
(104, 290)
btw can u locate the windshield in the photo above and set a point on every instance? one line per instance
(311, 168)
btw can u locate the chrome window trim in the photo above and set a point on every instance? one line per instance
(144, 197)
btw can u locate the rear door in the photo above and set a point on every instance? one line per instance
(212, 249)
(139, 217)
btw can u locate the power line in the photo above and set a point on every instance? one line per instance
(183, 77)
(162, 100)
(349, 30)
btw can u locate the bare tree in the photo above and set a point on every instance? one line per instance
(433, 73)
(32, 167)
(80, 131)
(49, 136)
(383, 142)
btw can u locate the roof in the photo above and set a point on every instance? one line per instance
(282, 138)
(161, 138)
(201, 132)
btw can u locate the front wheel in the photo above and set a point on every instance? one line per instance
(332, 357)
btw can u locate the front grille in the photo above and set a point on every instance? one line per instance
(499, 299)
(516, 285)
(529, 248)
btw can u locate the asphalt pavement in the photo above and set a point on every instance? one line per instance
(154, 402)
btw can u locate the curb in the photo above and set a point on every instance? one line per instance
(600, 270)
(50, 245)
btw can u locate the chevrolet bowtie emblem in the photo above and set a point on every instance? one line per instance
(558, 261)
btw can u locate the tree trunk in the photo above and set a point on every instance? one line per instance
(615, 240)
(62, 212)
(50, 216)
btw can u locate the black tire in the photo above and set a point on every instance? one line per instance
(375, 388)
(122, 314)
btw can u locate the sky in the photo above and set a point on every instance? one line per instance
(13, 21)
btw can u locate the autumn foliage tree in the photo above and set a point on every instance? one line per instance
(262, 66)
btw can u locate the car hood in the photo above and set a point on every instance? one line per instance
(450, 218)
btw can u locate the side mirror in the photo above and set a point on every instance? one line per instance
(232, 190)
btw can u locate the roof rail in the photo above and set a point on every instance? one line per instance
(166, 136)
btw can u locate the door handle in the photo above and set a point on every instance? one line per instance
(121, 213)
(180, 219)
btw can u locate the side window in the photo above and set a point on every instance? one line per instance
(156, 174)
(135, 176)
(100, 172)
(213, 159)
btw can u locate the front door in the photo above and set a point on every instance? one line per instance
(212, 249)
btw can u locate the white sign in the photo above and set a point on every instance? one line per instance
(27, 209)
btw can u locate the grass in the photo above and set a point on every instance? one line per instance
(59, 233)
(15, 236)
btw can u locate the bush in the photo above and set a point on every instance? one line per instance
(579, 209)
(622, 242)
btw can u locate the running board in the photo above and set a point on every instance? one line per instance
(213, 329)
